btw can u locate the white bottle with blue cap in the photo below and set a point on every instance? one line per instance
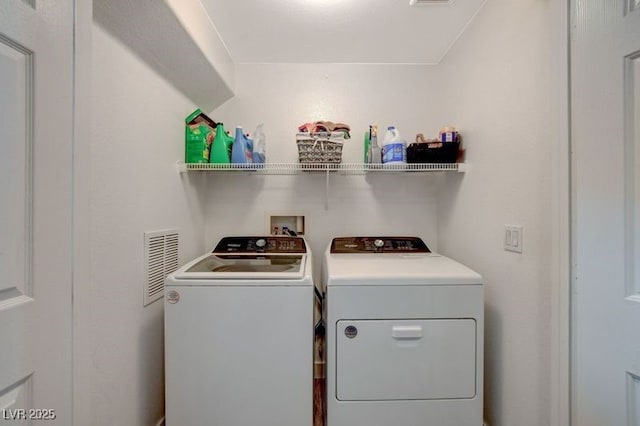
(394, 148)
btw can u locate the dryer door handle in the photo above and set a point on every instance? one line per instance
(406, 331)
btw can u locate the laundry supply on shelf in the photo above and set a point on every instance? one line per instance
(222, 145)
(367, 147)
(394, 147)
(375, 155)
(448, 134)
(443, 149)
(321, 142)
(324, 127)
(320, 147)
(242, 150)
(199, 135)
(259, 145)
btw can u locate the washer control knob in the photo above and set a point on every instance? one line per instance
(378, 243)
(261, 243)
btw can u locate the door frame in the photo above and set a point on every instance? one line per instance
(562, 235)
(81, 270)
(561, 216)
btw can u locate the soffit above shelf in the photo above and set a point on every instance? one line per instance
(177, 40)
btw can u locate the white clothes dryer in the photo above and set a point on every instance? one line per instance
(239, 335)
(405, 331)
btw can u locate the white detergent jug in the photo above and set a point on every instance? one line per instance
(394, 148)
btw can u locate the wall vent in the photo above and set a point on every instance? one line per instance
(429, 2)
(160, 259)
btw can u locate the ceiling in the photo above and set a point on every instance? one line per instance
(339, 31)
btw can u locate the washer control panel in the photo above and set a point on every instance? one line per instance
(378, 245)
(266, 244)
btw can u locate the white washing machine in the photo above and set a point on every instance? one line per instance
(239, 335)
(404, 335)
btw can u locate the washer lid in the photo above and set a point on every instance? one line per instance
(216, 266)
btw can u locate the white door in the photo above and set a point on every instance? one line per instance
(605, 73)
(35, 211)
(417, 359)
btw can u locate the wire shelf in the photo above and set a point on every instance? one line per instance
(341, 168)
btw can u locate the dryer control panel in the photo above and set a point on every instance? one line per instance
(266, 244)
(378, 245)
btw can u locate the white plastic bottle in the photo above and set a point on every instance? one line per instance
(376, 155)
(394, 148)
(259, 145)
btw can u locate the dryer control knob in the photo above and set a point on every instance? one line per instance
(261, 243)
(378, 243)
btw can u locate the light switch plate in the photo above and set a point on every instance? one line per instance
(513, 238)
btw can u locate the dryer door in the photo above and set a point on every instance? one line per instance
(405, 359)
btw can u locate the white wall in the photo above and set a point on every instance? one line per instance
(283, 96)
(497, 77)
(137, 134)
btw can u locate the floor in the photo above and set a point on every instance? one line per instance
(319, 410)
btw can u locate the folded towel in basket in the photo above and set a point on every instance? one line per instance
(322, 136)
(325, 126)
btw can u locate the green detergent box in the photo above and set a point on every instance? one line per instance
(200, 131)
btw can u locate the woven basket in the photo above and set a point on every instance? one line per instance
(318, 148)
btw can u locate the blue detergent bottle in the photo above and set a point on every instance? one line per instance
(242, 150)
